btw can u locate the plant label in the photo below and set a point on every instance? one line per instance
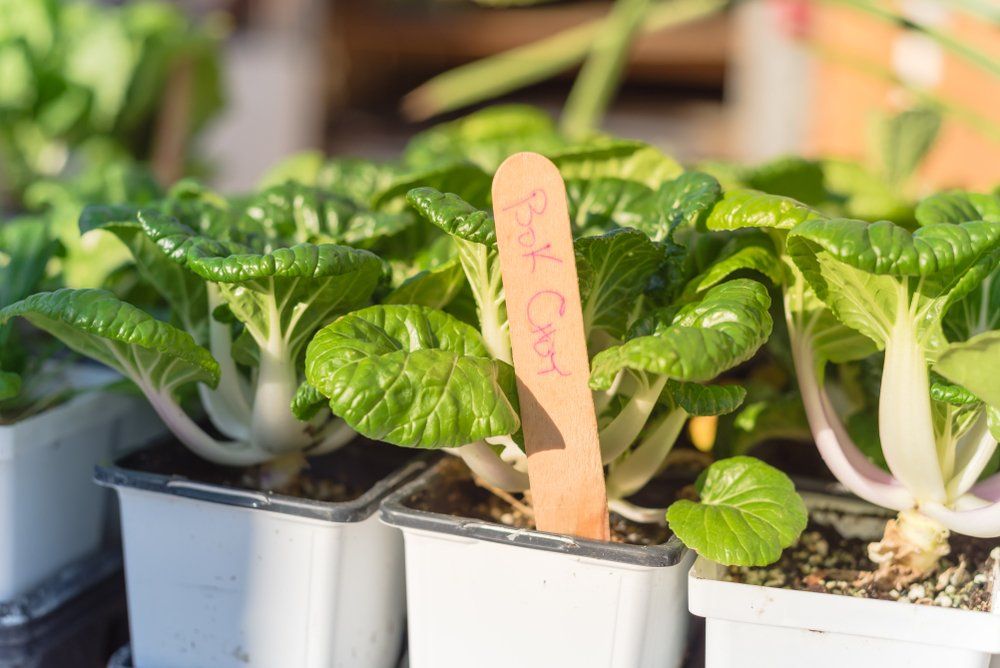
(538, 266)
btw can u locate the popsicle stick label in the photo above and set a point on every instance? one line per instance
(549, 346)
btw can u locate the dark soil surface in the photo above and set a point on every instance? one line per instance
(343, 475)
(825, 561)
(458, 495)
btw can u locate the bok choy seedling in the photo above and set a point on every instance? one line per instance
(928, 300)
(248, 283)
(420, 377)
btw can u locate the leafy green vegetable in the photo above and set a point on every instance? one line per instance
(748, 512)
(413, 376)
(84, 81)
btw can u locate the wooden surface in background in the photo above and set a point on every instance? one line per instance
(388, 43)
(845, 101)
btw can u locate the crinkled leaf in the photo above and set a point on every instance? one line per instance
(748, 513)
(949, 393)
(97, 324)
(613, 270)
(957, 206)
(454, 215)
(686, 201)
(750, 208)
(434, 288)
(302, 287)
(862, 270)
(307, 402)
(412, 376)
(356, 179)
(974, 365)
(886, 248)
(699, 399)
(697, 342)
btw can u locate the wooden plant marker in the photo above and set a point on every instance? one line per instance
(550, 348)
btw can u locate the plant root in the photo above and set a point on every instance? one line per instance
(911, 547)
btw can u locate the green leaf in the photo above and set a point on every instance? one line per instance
(886, 248)
(753, 252)
(904, 140)
(790, 176)
(750, 208)
(748, 513)
(291, 291)
(302, 168)
(10, 385)
(615, 158)
(868, 272)
(412, 376)
(25, 249)
(783, 417)
(597, 205)
(463, 179)
(957, 206)
(454, 215)
(973, 364)
(698, 399)
(434, 288)
(485, 138)
(613, 270)
(356, 179)
(863, 194)
(949, 393)
(686, 201)
(307, 402)
(97, 324)
(183, 291)
(695, 343)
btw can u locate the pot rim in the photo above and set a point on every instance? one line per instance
(355, 510)
(395, 512)
(712, 597)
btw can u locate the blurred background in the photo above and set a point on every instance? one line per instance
(704, 79)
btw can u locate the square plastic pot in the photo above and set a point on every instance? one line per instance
(752, 626)
(219, 577)
(485, 594)
(51, 513)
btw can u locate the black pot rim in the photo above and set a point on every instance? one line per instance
(395, 512)
(355, 510)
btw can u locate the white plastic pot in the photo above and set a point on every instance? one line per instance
(751, 626)
(51, 513)
(219, 577)
(485, 595)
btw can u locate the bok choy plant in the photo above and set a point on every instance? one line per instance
(420, 377)
(928, 301)
(248, 282)
(25, 250)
